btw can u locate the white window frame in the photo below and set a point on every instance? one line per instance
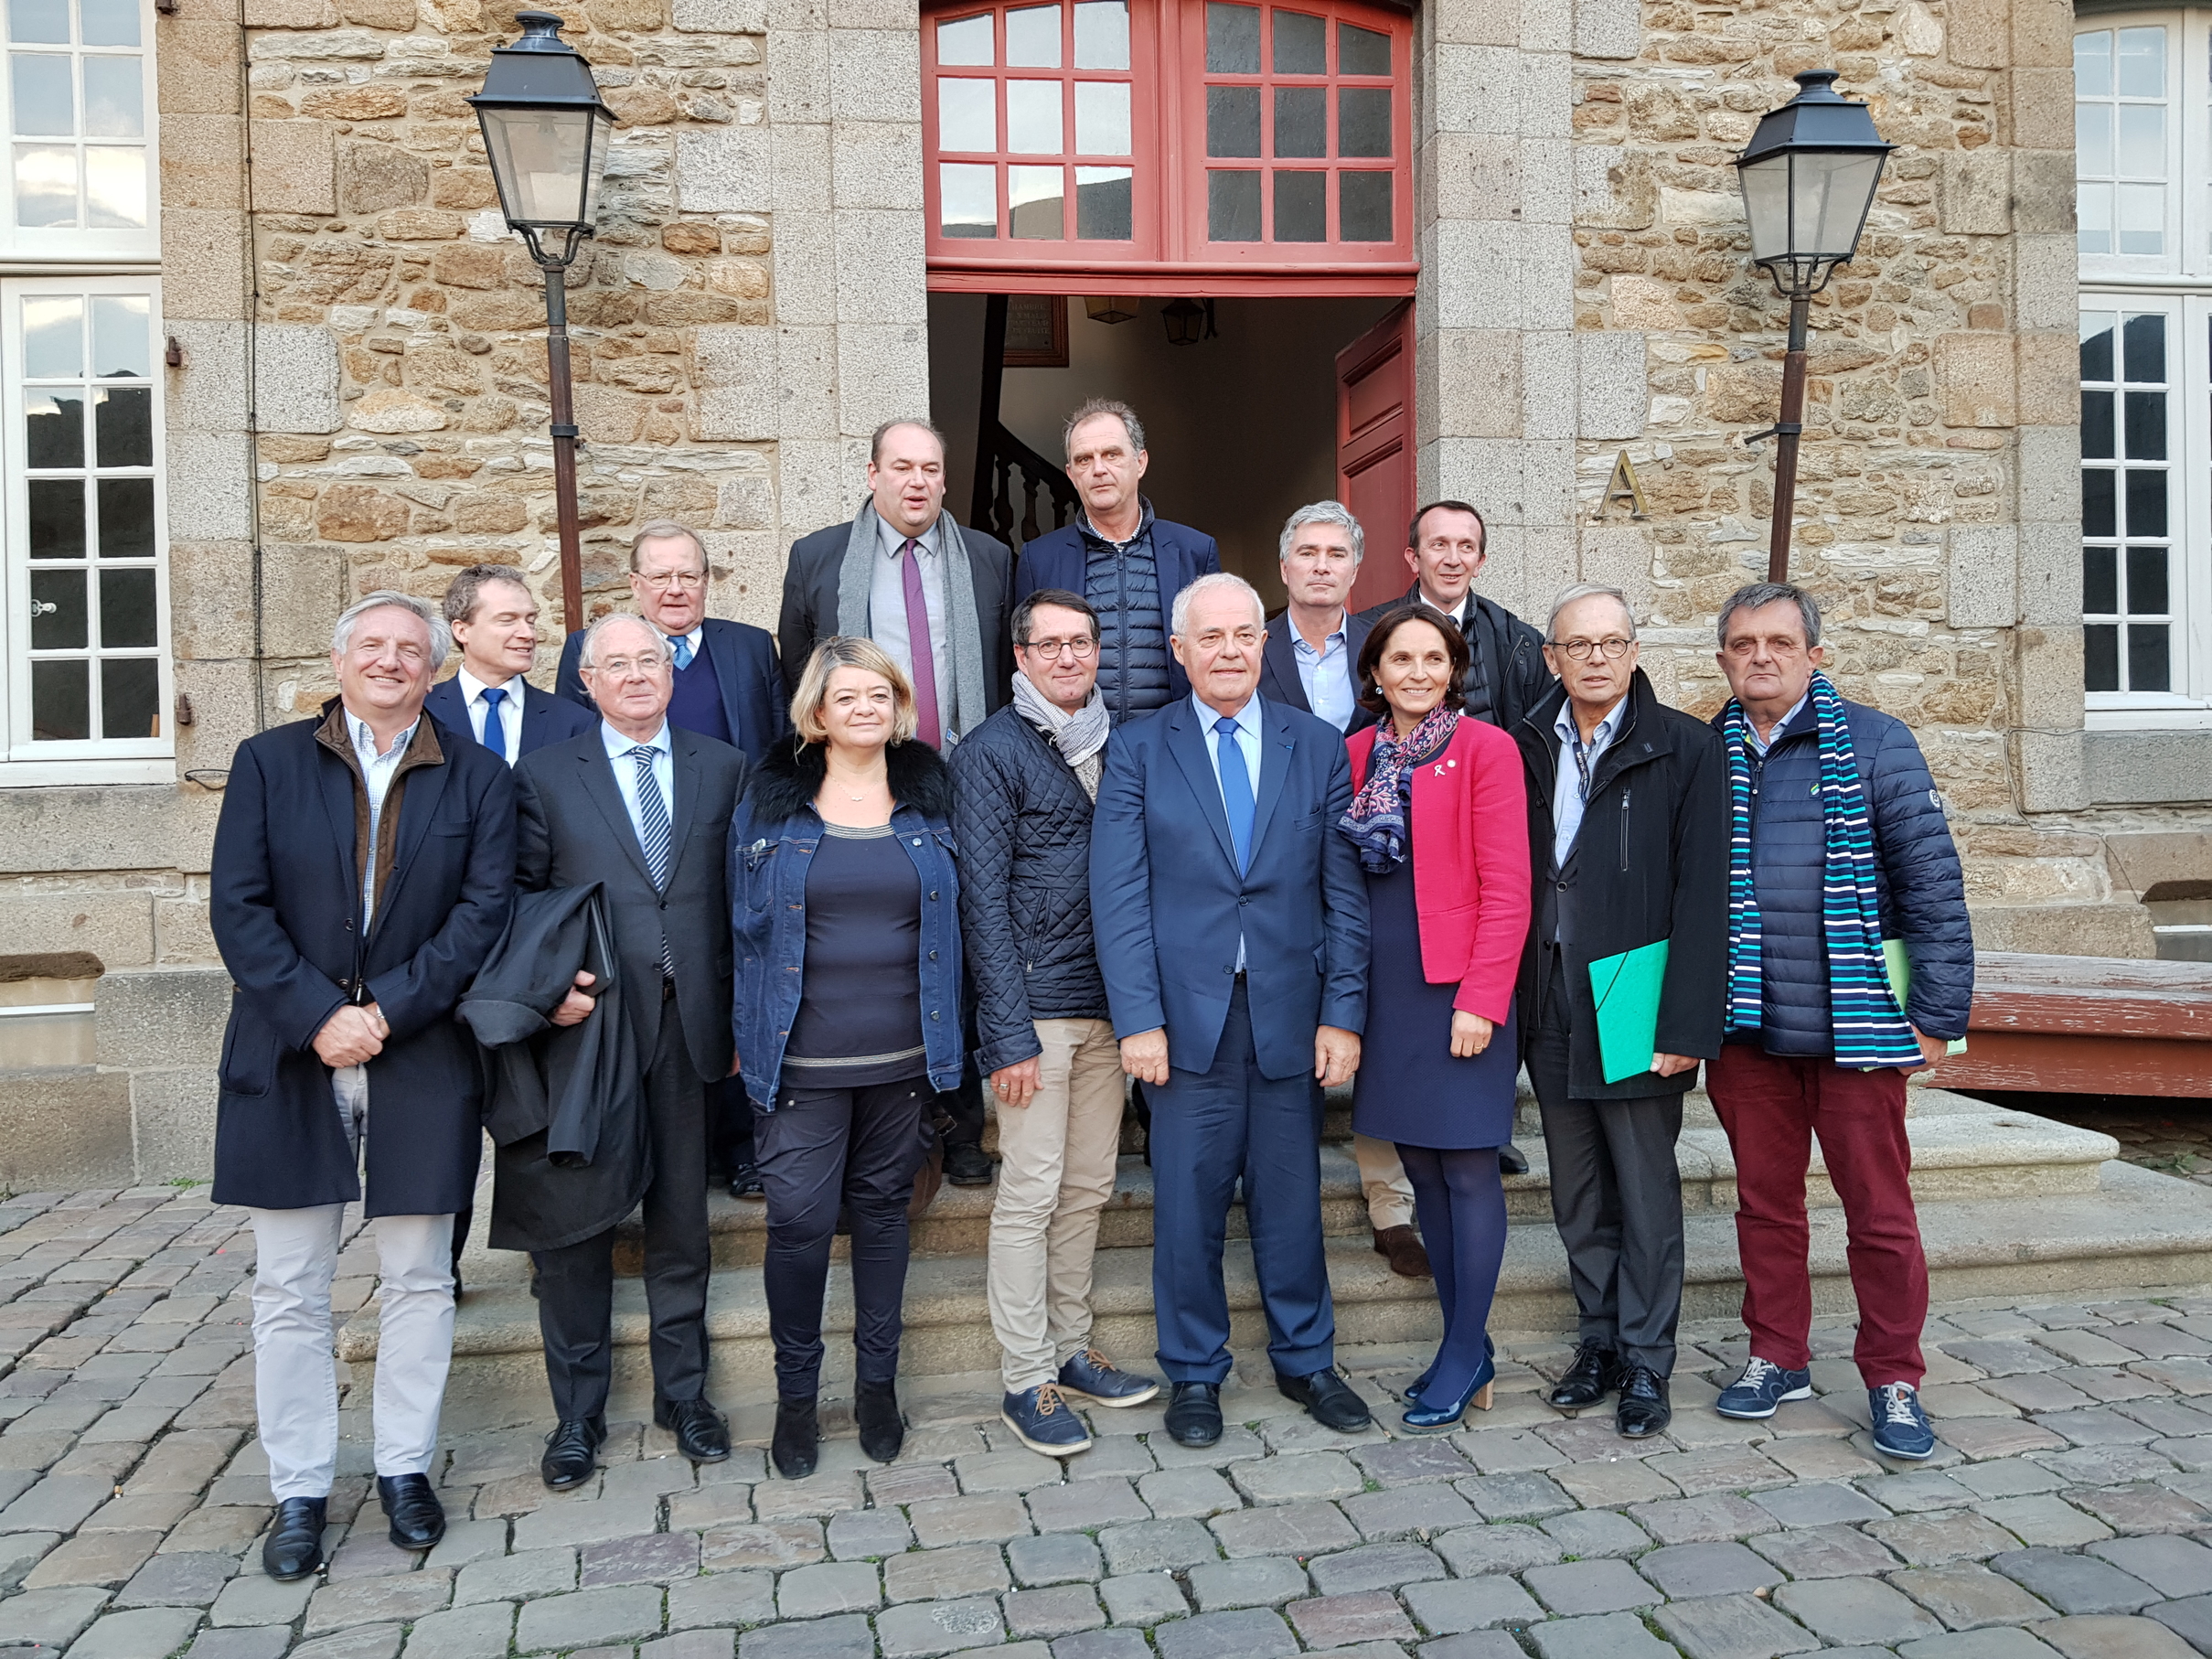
(37, 245)
(25, 761)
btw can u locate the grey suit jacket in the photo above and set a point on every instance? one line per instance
(573, 829)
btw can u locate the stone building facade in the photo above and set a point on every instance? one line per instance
(357, 394)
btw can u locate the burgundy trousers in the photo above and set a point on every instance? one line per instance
(1772, 1105)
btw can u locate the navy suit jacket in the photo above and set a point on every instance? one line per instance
(1278, 675)
(546, 719)
(1167, 903)
(1179, 553)
(744, 667)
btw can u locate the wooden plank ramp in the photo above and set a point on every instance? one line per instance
(2089, 1025)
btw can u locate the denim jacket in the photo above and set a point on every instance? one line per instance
(773, 837)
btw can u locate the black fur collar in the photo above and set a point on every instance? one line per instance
(784, 785)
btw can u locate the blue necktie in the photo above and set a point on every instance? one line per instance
(682, 645)
(495, 728)
(1235, 792)
(653, 836)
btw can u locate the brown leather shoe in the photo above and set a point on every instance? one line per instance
(1409, 1260)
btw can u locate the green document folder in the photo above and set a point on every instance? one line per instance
(1626, 989)
(1900, 968)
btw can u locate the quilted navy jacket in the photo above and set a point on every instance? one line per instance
(1923, 896)
(1024, 825)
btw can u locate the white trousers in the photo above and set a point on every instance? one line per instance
(296, 1384)
(1382, 1180)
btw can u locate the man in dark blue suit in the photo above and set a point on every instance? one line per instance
(729, 687)
(364, 866)
(1232, 928)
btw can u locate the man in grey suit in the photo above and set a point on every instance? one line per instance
(642, 808)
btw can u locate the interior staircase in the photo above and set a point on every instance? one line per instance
(2009, 1204)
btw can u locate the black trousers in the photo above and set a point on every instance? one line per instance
(1615, 1195)
(962, 1110)
(729, 1114)
(821, 1149)
(576, 1283)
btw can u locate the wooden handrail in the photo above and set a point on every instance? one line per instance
(1008, 470)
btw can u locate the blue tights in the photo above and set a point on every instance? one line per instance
(1462, 1210)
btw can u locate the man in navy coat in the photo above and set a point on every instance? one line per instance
(364, 866)
(1232, 927)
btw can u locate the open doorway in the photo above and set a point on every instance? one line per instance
(1243, 424)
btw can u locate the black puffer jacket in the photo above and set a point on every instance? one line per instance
(1023, 826)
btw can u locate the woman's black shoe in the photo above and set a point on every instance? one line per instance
(1595, 1373)
(417, 1520)
(568, 1460)
(294, 1546)
(875, 1407)
(798, 1438)
(1511, 1160)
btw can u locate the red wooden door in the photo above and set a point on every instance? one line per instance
(1375, 458)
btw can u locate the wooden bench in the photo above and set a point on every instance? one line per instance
(2085, 1025)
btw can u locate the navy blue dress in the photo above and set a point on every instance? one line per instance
(1409, 1087)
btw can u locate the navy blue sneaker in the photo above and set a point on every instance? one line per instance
(1090, 1375)
(1900, 1426)
(1042, 1421)
(1760, 1389)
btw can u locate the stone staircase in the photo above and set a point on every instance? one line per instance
(2010, 1204)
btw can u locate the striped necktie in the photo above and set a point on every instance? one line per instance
(653, 837)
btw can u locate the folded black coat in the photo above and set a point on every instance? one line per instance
(564, 1104)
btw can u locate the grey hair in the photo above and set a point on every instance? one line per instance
(1754, 595)
(441, 634)
(1324, 512)
(1575, 596)
(667, 530)
(590, 657)
(1090, 409)
(1218, 582)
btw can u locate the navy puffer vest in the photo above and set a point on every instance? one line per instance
(1123, 586)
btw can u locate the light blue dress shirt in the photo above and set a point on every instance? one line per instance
(1326, 674)
(1568, 802)
(626, 772)
(1248, 746)
(887, 603)
(1761, 745)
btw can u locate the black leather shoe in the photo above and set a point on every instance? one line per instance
(969, 1166)
(1512, 1161)
(875, 1410)
(745, 1181)
(1643, 1409)
(569, 1451)
(1595, 1373)
(799, 1438)
(1194, 1414)
(1328, 1399)
(294, 1546)
(700, 1433)
(417, 1520)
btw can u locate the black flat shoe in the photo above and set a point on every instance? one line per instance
(1643, 1409)
(969, 1166)
(875, 1409)
(1596, 1373)
(569, 1451)
(700, 1432)
(417, 1520)
(1328, 1399)
(1512, 1161)
(798, 1438)
(294, 1546)
(1194, 1414)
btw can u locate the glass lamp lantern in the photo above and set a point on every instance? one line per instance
(1809, 176)
(546, 134)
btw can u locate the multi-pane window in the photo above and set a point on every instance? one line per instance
(80, 166)
(2128, 516)
(86, 629)
(2122, 156)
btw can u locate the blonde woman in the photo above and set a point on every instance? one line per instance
(846, 911)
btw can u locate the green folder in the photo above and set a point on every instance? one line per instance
(1900, 968)
(1626, 989)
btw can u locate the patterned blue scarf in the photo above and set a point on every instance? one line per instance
(1377, 822)
(1869, 1028)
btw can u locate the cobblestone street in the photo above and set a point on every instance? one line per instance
(2068, 1510)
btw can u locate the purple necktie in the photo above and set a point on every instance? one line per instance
(917, 642)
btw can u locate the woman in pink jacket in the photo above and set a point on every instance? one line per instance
(1441, 822)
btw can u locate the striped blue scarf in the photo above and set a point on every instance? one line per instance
(1870, 1030)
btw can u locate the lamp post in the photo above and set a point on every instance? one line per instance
(546, 134)
(1808, 175)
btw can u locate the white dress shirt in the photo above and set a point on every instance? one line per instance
(1247, 745)
(1326, 673)
(887, 604)
(1568, 799)
(377, 772)
(626, 774)
(510, 711)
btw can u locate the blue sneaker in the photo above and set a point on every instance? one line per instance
(1900, 1426)
(1042, 1421)
(1760, 1389)
(1090, 1375)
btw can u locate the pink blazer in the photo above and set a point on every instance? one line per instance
(1470, 870)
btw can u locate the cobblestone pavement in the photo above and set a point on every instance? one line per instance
(2069, 1513)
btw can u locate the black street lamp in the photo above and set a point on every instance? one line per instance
(1809, 176)
(546, 134)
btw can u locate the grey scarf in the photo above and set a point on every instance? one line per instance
(964, 709)
(1080, 737)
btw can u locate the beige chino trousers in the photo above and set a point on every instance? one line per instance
(1055, 1173)
(1383, 1180)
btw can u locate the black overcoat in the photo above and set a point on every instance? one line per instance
(286, 905)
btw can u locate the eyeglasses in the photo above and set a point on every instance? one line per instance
(1612, 647)
(1081, 649)
(621, 668)
(662, 581)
